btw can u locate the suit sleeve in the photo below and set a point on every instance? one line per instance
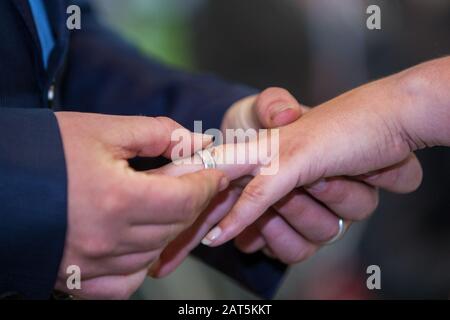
(32, 202)
(107, 75)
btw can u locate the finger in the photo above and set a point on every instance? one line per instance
(351, 200)
(312, 220)
(150, 137)
(250, 240)
(202, 187)
(147, 237)
(118, 265)
(403, 177)
(261, 193)
(170, 200)
(232, 159)
(268, 252)
(284, 242)
(128, 264)
(276, 107)
(241, 116)
(180, 248)
(119, 287)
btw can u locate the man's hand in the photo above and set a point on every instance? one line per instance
(120, 220)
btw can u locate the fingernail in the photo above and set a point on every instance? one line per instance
(224, 183)
(319, 186)
(212, 236)
(277, 110)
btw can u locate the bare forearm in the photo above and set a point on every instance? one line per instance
(425, 116)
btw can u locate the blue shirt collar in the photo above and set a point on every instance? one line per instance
(42, 23)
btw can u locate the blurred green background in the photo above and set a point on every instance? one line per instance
(159, 27)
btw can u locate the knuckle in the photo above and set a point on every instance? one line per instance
(166, 122)
(97, 247)
(323, 189)
(190, 208)
(299, 254)
(185, 219)
(334, 193)
(254, 193)
(114, 200)
(294, 206)
(271, 231)
(272, 93)
(328, 232)
(145, 127)
(164, 119)
(140, 122)
(390, 177)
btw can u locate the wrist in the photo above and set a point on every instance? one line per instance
(424, 113)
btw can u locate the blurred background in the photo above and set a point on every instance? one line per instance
(317, 49)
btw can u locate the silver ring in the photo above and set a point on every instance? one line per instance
(340, 233)
(207, 159)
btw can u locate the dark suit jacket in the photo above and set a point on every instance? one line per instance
(92, 70)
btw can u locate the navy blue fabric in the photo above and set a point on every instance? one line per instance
(33, 195)
(32, 201)
(93, 70)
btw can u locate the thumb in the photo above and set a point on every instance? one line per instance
(152, 137)
(199, 188)
(276, 107)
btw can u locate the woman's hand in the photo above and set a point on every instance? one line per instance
(305, 218)
(361, 134)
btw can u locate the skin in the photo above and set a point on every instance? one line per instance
(306, 217)
(377, 126)
(116, 229)
(106, 195)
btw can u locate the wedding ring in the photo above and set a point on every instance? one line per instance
(207, 159)
(340, 233)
